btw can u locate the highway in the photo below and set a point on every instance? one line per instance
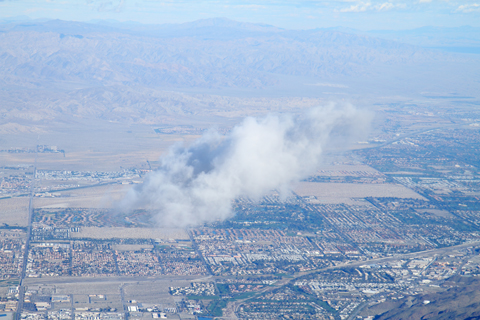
(21, 290)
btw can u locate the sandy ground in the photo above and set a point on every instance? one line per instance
(95, 197)
(131, 233)
(341, 170)
(14, 211)
(131, 247)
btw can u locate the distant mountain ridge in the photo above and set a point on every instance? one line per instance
(52, 69)
(205, 53)
(205, 27)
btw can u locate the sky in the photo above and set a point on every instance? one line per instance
(288, 14)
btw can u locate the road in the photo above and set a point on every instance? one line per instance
(21, 290)
(122, 297)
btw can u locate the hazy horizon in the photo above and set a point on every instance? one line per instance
(361, 15)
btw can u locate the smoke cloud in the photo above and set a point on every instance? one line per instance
(197, 184)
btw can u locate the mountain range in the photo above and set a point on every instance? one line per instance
(54, 68)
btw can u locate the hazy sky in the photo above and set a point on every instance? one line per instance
(364, 15)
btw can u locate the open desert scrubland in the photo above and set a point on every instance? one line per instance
(14, 211)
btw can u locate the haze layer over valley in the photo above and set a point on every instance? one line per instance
(59, 77)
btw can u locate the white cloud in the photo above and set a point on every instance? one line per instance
(250, 6)
(388, 5)
(468, 8)
(385, 6)
(368, 6)
(359, 7)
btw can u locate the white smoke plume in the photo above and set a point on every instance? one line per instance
(197, 184)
